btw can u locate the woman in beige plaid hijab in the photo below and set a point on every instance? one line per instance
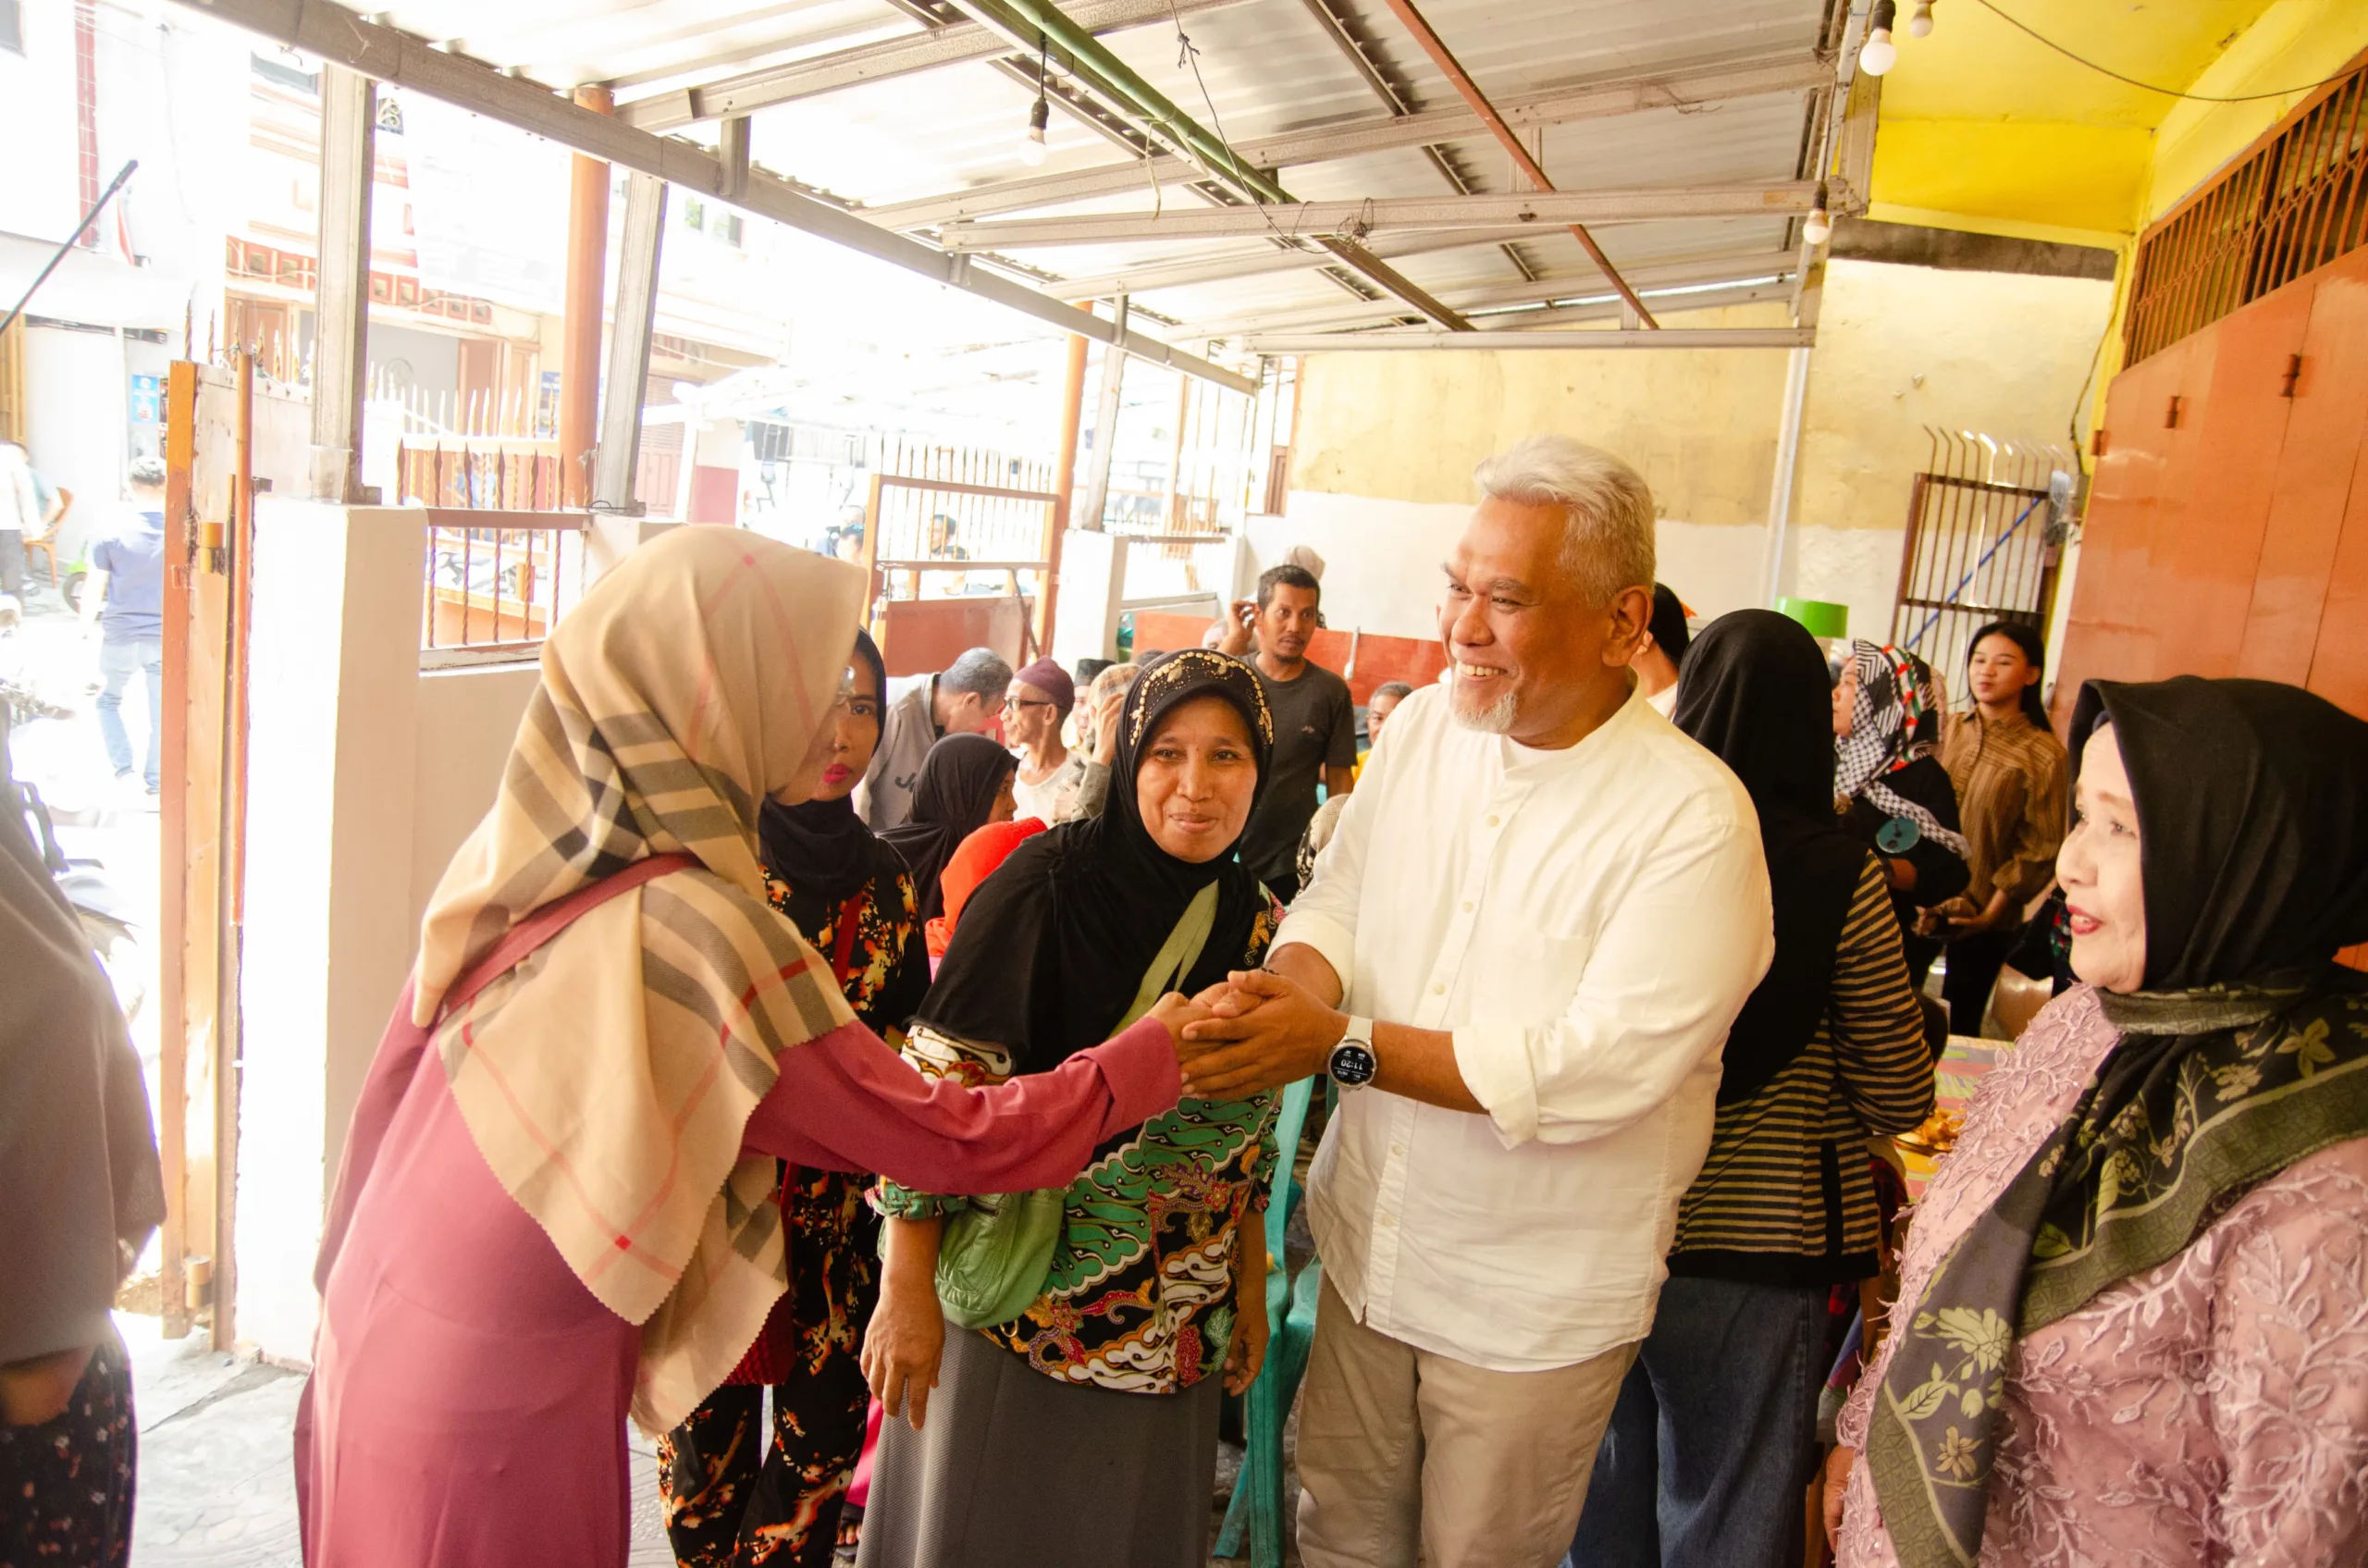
(556, 1207)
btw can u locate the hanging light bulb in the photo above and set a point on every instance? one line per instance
(1878, 53)
(1031, 147)
(1817, 227)
(1919, 20)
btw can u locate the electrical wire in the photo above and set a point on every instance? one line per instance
(1188, 54)
(2166, 91)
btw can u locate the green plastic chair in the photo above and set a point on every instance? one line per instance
(1257, 1506)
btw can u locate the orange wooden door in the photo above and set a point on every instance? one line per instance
(2206, 561)
(2314, 482)
(2110, 633)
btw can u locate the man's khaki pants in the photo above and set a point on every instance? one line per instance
(1402, 1448)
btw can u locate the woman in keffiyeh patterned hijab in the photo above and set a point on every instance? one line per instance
(1895, 796)
(557, 1202)
(2133, 1311)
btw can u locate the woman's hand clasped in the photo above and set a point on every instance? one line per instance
(1175, 1010)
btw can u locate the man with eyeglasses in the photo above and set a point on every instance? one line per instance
(1036, 706)
(967, 698)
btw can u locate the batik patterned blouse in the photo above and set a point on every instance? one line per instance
(877, 975)
(2212, 1410)
(1139, 1298)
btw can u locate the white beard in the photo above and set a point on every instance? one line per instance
(1496, 719)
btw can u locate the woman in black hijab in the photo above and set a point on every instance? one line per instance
(1082, 1433)
(965, 783)
(730, 1497)
(78, 1161)
(2140, 1283)
(1827, 1050)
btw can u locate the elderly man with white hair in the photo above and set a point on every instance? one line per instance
(1519, 958)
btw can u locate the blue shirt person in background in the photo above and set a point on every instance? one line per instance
(123, 601)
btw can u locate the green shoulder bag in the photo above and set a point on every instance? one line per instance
(994, 1254)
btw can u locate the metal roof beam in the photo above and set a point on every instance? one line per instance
(1380, 134)
(1043, 26)
(1154, 276)
(1723, 268)
(1310, 219)
(958, 45)
(1666, 338)
(337, 35)
(1441, 56)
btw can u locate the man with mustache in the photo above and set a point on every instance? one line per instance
(1519, 958)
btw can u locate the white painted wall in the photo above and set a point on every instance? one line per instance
(1381, 561)
(365, 774)
(464, 724)
(74, 426)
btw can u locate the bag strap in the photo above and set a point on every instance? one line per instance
(1176, 958)
(549, 920)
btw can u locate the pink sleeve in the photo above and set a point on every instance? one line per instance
(847, 1101)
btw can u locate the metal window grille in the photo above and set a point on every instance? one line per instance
(1986, 522)
(2295, 202)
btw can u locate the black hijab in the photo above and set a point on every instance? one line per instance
(2245, 1051)
(1754, 690)
(957, 787)
(1053, 946)
(821, 848)
(2252, 823)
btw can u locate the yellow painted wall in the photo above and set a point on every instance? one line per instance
(1901, 348)
(1700, 425)
(1995, 352)
(2294, 42)
(2064, 176)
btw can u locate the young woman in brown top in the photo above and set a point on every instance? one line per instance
(2009, 770)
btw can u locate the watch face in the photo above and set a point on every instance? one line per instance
(1352, 1064)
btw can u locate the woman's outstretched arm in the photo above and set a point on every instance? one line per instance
(847, 1101)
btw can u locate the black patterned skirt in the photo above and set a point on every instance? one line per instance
(65, 1485)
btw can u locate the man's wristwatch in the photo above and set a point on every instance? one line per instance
(1352, 1062)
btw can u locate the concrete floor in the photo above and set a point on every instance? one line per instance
(217, 1487)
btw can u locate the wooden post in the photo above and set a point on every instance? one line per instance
(1105, 423)
(620, 451)
(231, 866)
(172, 845)
(587, 251)
(1064, 487)
(1174, 509)
(872, 553)
(342, 290)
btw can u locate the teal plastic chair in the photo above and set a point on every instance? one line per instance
(1257, 1506)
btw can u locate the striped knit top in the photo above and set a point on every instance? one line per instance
(2013, 797)
(1785, 1197)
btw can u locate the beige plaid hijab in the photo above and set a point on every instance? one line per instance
(608, 1077)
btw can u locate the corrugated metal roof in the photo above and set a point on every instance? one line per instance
(1251, 70)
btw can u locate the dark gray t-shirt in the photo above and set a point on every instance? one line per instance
(1315, 728)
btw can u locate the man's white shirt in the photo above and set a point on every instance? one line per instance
(1588, 922)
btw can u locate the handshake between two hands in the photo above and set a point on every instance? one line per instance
(1256, 1031)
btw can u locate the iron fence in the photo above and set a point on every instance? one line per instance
(2295, 202)
(1986, 523)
